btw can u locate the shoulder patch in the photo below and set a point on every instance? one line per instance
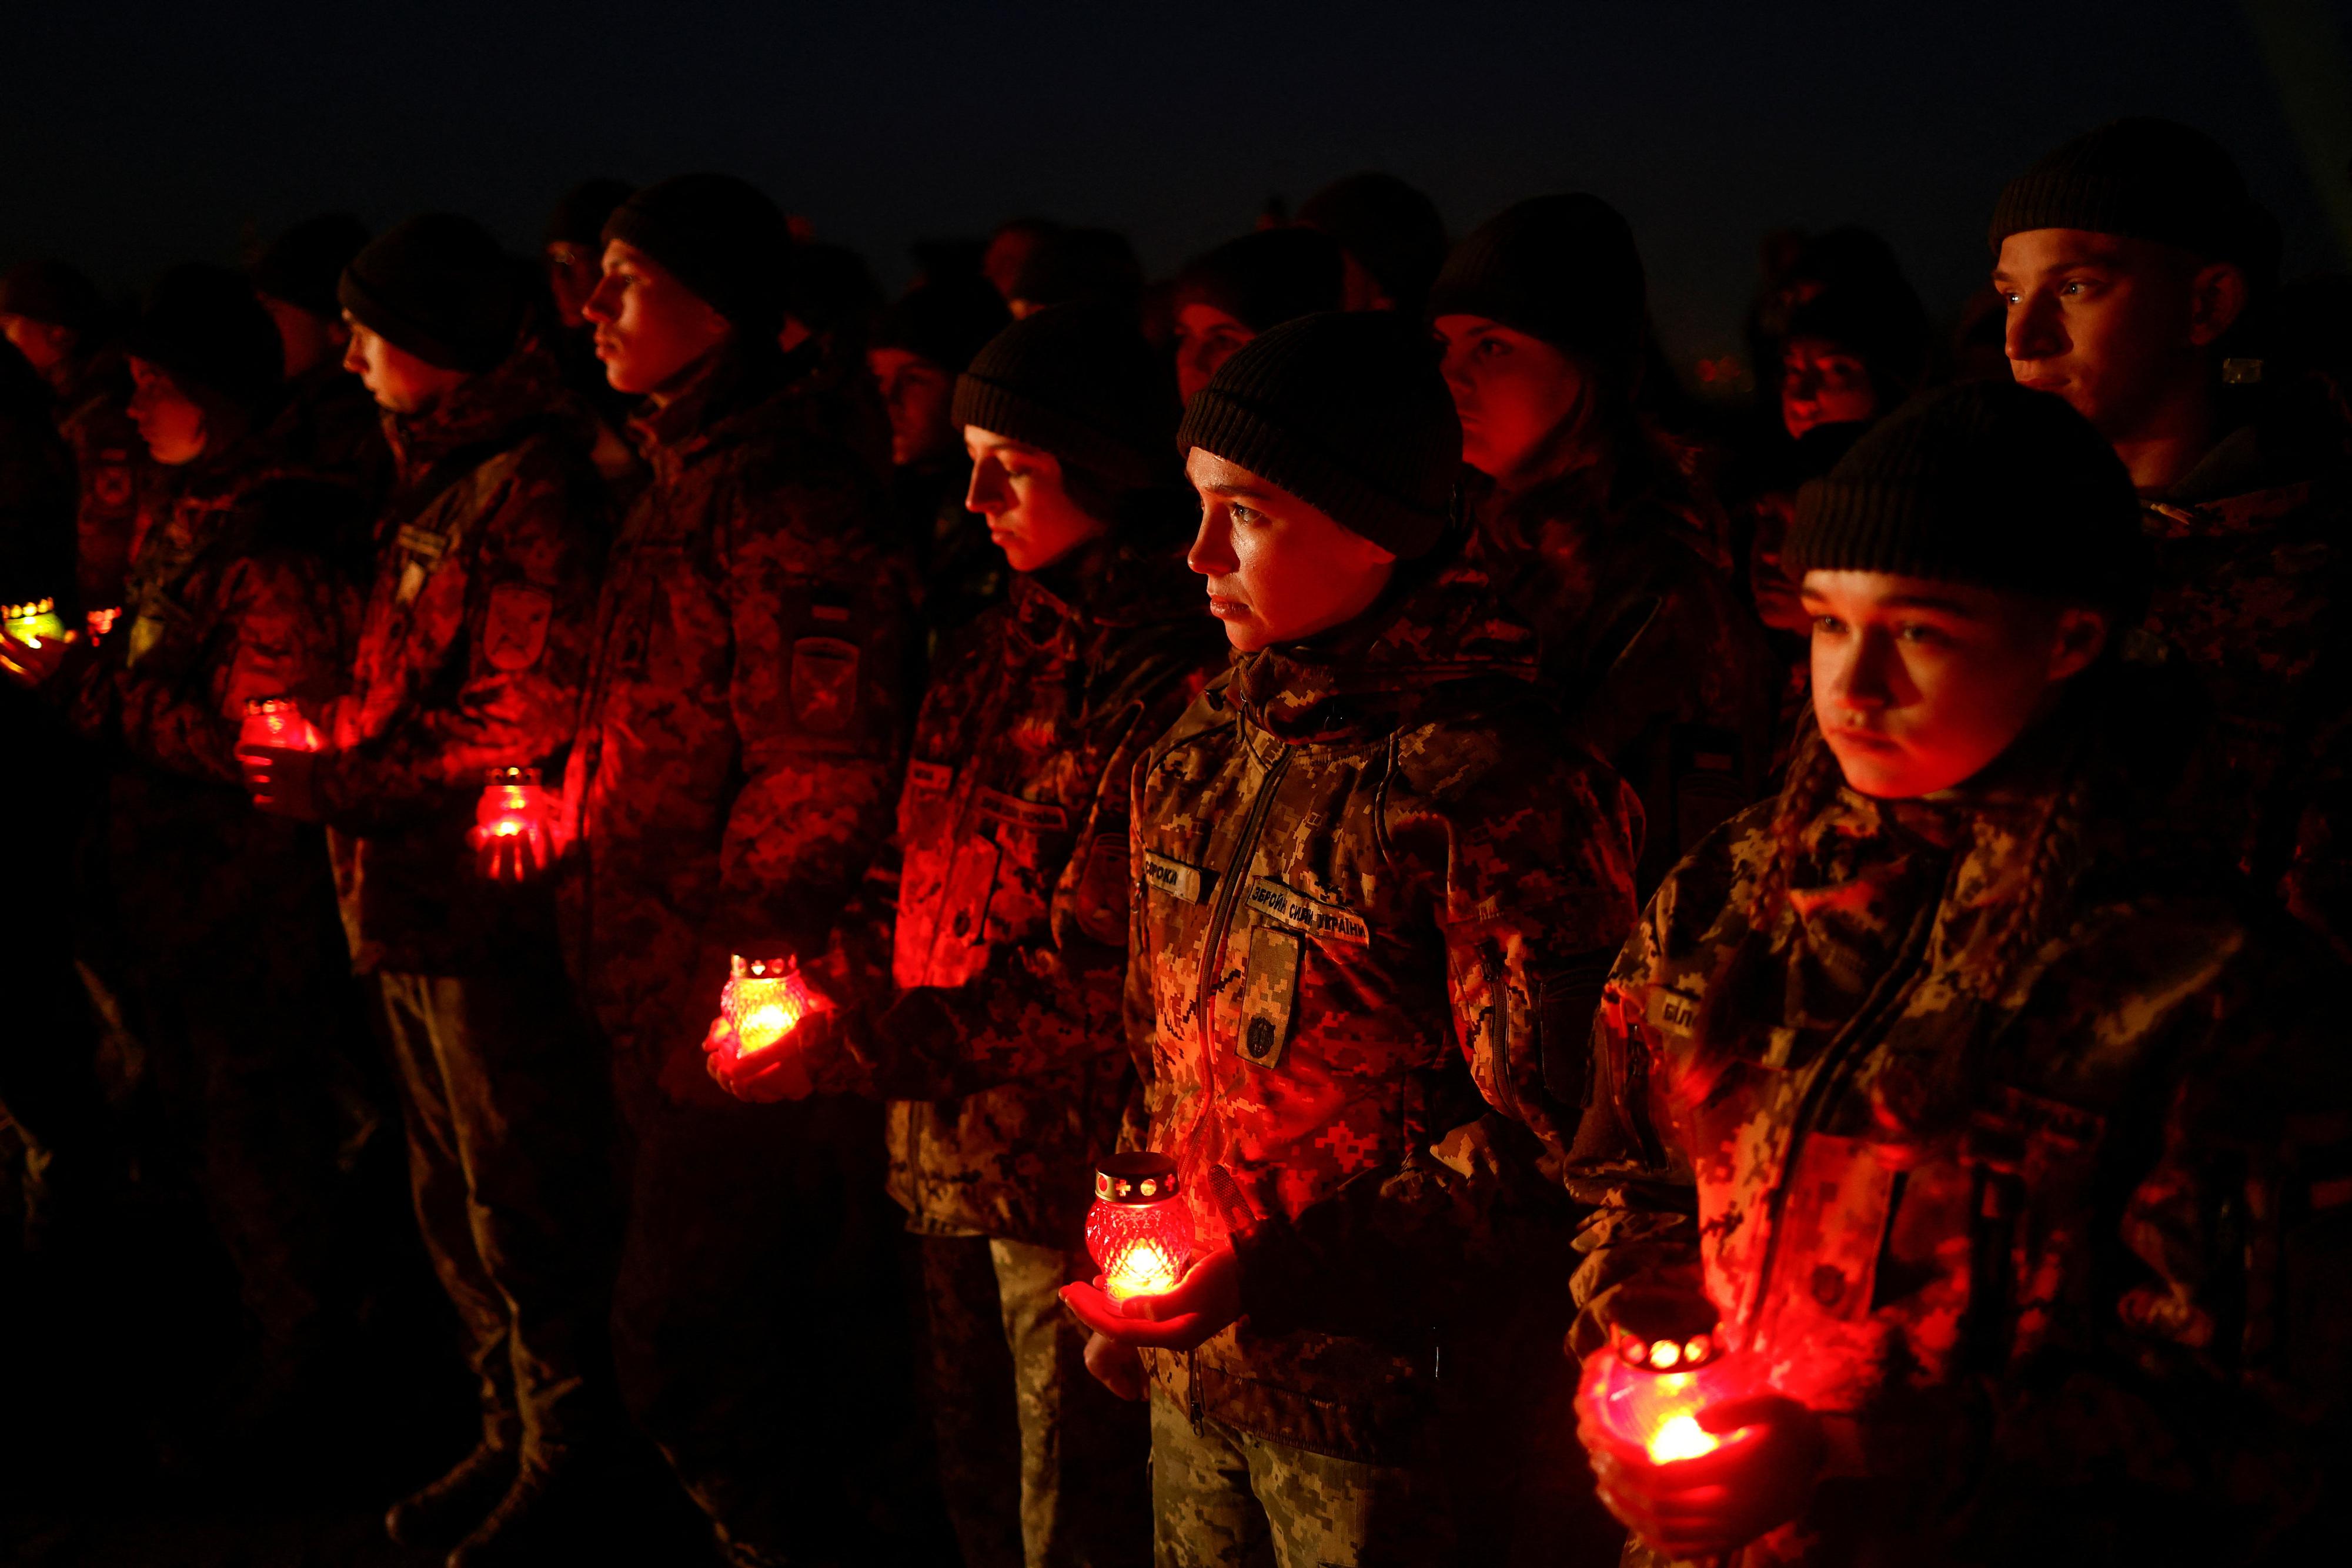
(824, 683)
(1272, 900)
(514, 632)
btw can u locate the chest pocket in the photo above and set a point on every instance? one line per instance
(995, 889)
(635, 584)
(1282, 924)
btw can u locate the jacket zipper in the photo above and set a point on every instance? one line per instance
(1220, 916)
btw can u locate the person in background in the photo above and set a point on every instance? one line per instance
(920, 347)
(1390, 233)
(572, 254)
(1588, 526)
(1009, 249)
(1923, 1086)
(328, 421)
(1227, 296)
(1070, 265)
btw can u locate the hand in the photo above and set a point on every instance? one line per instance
(514, 856)
(1759, 1478)
(1118, 1367)
(765, 1077)
(283, 783)
(1204, 1303)
(33, 664)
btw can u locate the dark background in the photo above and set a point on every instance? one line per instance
(132, 136)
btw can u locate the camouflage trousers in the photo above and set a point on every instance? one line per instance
(503, 1096)
(1003, 1345)
(1223, 1498)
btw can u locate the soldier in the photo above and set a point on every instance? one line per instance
(472, 649)
(1394, 239)
(573, 251)
(226, 913)
(2127, 258)
(57, 320)
(923, 344)
(1373, 880)
(328, 421)
(1587, 523)
(1956, 1084)
(735, 765)
(1229, 295)
(999, 1010)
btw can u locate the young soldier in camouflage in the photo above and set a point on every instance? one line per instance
(1587, 524)
(1372, 878)
(231, 971)
(1959, 1087)
(2128, 258)
(472, 648)
(732, 778)
(999, 973)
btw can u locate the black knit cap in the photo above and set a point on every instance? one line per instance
(1392, 230)
(303, 265)
(1265, 279)
(721, 237)
(1079, 382)
(1561, 268)
(2144, 179)
(204, 327)
(1072, 265)
(1984, 483)
(439, 286)
(55, 292)
(1348, 413)
(580, 213)
(946, 321)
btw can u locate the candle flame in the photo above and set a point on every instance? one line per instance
(1145, 1269)
(1682, 1437)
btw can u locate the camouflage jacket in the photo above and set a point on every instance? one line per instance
(473, 648)
(738, 744)
(2032, 1212)
(1652, 658)
(962, 571)
(1003, 904)
(329, 425)
(1372, 878)
(112, 472)
(2250, 587)
(228, 599)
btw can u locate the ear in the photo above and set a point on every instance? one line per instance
(2077, 641)
(2217, 298)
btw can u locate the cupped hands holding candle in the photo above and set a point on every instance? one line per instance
(278, 747)
(513, 836)
(749, 1049)
(1150, 1292)
(34, 642)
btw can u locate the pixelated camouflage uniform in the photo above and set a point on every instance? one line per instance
(1003, 922)
(962, 572)
(1654, 661)
(473, 648)
(227, 912)
(1361, 862)
(112, 472)
(329, 425)
(736, 759)
(2005, 1146)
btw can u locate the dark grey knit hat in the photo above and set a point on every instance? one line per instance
(1079, 382)
(1265, 279)
(721, 237)
(1345, 411)
(1984, 483)
(2144, 179)
(440, 287)
(1563, 268)
(204, 327)
(303, 265)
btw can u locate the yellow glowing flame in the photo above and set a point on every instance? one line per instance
(763, 1026)
(1145, 1269)
(1682, 1437)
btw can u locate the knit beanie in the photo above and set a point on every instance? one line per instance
(1265, 279)
(52, 292)
(1348, 413)
(2144, 179)
(1884, 325)
(580, 213)
(1079, 382)
(203, 325)
(946, 322)
(438, 287)
(303, 265)
(1985, 483)
(722, 238)
(1072, 265)
(1561, 268)
(1392, 230)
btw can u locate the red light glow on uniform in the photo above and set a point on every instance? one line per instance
(275, 724)
(1650, 1393)
(1139, 1231)
(765, 999)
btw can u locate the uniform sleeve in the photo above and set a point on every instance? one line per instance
(824, 638)
(1530, 884)
(513, 677)
(279, 630)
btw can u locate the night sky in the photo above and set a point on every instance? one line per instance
(134, 136)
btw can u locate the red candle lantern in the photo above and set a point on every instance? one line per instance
(34, 623)
(765, 999)
(1138, 1231)
(275, 724)
(1654, 1378)
(513, 824)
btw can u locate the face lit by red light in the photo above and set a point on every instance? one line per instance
(1278, 571)
(573, 272)
(651, 328)
(169, 422)
(45, 344)
(1207, 337)
(1822, 384)
(1520, 399)
(1019, 489)
(396, 379)
(1919, 685)
(918, 393)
